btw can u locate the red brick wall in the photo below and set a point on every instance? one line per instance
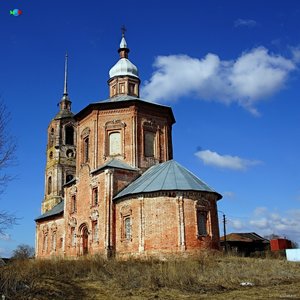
(130, 121)
(164, 224)
(85, 212)
(48, 228)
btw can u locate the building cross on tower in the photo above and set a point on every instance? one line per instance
(123, 29)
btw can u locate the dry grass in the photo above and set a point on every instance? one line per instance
(209, 276)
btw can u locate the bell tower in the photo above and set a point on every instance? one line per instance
(61, 150)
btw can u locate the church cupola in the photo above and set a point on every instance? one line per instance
(124, 77)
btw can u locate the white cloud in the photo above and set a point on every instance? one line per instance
(225, 161)
(236, 224)
(261, 223)
(245, 22)
(266, 222)
(252, 77)
(260, 211)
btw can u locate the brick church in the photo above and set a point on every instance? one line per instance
(111, 185)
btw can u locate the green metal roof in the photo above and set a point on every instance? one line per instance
(167, 176)
(56, 210)
(63, 114)
(130, 98)
(115, 163)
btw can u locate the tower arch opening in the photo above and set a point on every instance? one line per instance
(69, 135)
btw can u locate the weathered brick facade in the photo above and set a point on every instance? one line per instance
(112, 206)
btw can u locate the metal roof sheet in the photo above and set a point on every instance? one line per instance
(130, 98)
(115, 163)
(64, 114)
(123, 100)
(167, 176)
(57, 209)
(124, 67)
(244, 237)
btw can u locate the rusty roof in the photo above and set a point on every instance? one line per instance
(248, 237)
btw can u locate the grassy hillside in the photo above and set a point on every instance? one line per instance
(209, 277)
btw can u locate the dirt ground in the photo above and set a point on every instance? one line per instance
(96, 291)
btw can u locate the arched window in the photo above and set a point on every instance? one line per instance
(149, 143)
(69, 135)
(86, 150)
(127, 230)
(73, 204)
(115, 143)
(45, 242)
(73, 236)
(95, 231)
(53, 242)
(202, 222)
(95, 197)
(49, 185)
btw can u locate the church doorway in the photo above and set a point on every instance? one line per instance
(84, 234)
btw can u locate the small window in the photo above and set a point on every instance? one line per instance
(73, 236)
(122, 88)
(61, 242)
(49, 185)
(73, 204)
(149, 143)
(51, 155)
(69, 135)
(95, 196)
(86, 149)
(95, 231)
(69, 178)
(131, 88)
(202, 222)
(113, 92)
(127, 227)
(115, 143)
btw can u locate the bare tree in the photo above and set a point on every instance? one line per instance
(295, 245)
(7, 151)
(23, 251)
(272, 236)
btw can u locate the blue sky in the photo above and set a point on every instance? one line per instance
(229, 69)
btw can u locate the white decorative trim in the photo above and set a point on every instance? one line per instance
(94, 215)
(181, 227)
